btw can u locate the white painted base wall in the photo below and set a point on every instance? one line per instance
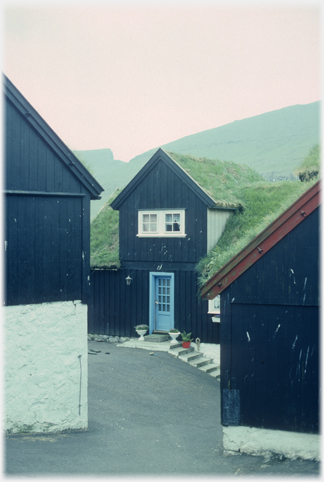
(257, 441)
(45, 367)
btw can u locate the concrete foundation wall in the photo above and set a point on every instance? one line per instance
(45, 367)
(256, 441)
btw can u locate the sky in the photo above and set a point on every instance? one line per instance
(132, 76)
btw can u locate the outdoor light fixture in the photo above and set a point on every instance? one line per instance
(128, 280)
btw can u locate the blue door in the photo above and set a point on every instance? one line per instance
(162, 302)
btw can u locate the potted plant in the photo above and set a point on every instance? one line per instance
(141, 330)
(174, 333)
(186, 339)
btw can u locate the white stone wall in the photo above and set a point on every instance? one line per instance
(45, 367)
(258, 441)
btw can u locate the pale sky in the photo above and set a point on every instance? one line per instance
(131, 77)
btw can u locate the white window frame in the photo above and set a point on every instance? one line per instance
(211, 305)
(161, 224)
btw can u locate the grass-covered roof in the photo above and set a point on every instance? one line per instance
(228, 184)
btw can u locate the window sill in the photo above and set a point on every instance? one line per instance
(158, 235)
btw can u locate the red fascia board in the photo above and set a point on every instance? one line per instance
(262, 243)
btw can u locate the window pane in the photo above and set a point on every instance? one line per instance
(145, 227)
(176, 227)
(153, 227)
(168, 218)
(176, 218)
(146, 218)
(168, 227)
(153, 218)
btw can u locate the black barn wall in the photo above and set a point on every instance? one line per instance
(116, 308)
(270, 336)
(47, 220)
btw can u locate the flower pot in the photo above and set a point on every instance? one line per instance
(174, 336)
(186, 344)
(141, 333)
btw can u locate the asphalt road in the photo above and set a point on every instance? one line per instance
(150, 415)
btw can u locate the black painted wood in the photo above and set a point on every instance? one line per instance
(270, 335)
(47, 212)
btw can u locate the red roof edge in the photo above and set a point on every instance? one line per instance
(263, 242)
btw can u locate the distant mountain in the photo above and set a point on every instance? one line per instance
(273, 144)
(109, 172)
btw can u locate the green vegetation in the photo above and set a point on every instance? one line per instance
(260, 202)
(221, 180)
(104, 237)
(263, 202)
(186, 336)
(311, 166)
(273, 143)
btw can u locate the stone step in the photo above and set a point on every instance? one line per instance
(179, 350)
(201, 361)
(212, 369)
(175, 345)
(190, 357)
(156, 338)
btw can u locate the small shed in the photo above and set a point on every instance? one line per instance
(269, 336)
(47, 193)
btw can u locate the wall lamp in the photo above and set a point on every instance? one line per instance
(128, 280)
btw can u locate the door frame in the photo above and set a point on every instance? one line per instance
(153, 275)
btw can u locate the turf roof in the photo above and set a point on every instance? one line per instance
(228, 184)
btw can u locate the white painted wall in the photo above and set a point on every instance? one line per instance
(216, 222)
(258, 441)
(45, 367)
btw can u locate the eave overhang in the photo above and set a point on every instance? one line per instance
(52, 139)
(263, 242)
(160, 154)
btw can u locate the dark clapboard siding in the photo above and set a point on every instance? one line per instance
(270, 335)
(31, 165)
(116, 308)
(47, 210)
(163, 189)
(44, 249)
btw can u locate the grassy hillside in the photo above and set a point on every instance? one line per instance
(273, 143)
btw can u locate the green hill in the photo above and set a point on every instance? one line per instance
(273, 144)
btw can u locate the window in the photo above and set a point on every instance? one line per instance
(161, 223)
(214, 305)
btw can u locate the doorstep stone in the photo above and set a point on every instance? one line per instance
(156, 338)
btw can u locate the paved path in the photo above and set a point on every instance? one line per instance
(148, 415)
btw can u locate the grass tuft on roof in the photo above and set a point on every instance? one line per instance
(264, 203)
(104, 237)
(221, 180)
(310, 167)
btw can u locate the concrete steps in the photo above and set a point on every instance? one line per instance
(196, 359)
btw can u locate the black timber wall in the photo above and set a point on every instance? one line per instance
(47, 220)
(270, 337)
(163, 189)
(116, 308)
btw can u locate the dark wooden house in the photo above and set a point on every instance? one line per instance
(269, 338)
(167, 223)
(47, 193)
(47, 205)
